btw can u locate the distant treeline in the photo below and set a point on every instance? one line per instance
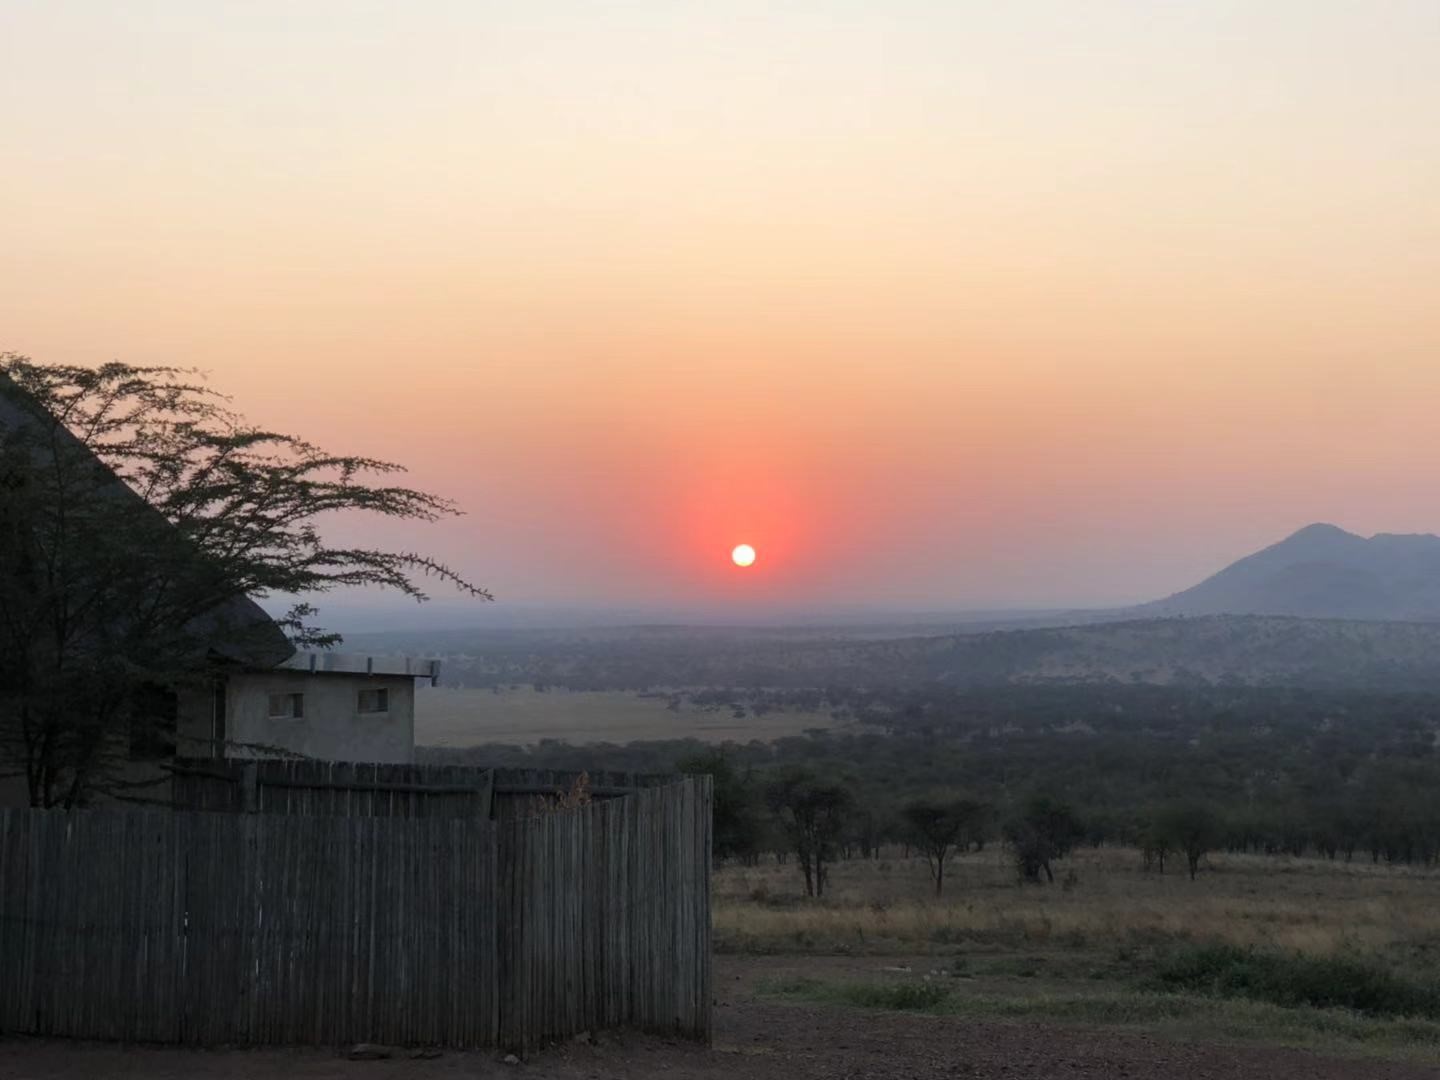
(1210, 650)
(1343, 774)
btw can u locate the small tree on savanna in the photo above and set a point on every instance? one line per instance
(938, 826)
(867, 824)
(1191, 827)
(1155, 844)
(137, 514)
(1042, 830)
(812, 812)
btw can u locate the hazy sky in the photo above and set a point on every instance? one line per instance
(935, 303)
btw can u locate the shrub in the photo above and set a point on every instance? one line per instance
(903, 996)
(1293, 979)
(798, 985)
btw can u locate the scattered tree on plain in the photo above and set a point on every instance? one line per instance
(812, 813)
(938, 826)
(1044, 830)
(1193, 828)
(1154, 843)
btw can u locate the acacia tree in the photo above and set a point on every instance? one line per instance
(1193, 828)
(138, 517)
(812, 812)
(938, 826)
(1044, 830)
(1155, 844)
(736, 828)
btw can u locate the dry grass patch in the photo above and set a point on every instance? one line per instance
(1312, 906)
(458, 717)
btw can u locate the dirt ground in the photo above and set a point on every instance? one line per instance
(753, 1038)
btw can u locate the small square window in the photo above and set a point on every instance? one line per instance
(287, 706)
(375, 701)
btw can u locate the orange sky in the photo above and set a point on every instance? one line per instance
(937, 304)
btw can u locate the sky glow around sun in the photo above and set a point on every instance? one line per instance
(943, 305)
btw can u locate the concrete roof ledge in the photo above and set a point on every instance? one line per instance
(339, 663)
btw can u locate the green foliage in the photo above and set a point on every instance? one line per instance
(937, 825)
(737, 825)
(1193, 828)
(813, 812)
(1343, 773)
(904, 996)
(1295, 979)
(899, 996)
(1043, 830)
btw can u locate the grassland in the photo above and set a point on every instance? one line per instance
(1102, 898)
(1103, 946)
(1184, 1016)
(448, 716)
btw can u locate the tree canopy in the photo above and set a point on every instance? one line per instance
(140, 518)
(937, 825)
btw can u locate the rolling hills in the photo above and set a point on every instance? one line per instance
(1321, 608)
(1322, 572)
(1237, 649)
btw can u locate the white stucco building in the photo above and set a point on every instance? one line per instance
(332, 706)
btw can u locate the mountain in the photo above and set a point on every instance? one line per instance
(1322, 572)
(1322, 608)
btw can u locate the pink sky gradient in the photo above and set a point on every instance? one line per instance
(938, 305)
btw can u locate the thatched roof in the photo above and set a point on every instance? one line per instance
(238, 630)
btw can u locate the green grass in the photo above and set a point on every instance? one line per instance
(903, 996)
(1291, 979)
(1201, 1017)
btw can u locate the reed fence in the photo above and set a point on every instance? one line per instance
(356, 925)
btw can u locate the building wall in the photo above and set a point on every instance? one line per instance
(333, 728)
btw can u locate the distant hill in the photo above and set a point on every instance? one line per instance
(1322, 572)
(1208, 650)
(1322, 608)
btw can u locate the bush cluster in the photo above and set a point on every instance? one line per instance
(1293, 979)
(900, 996)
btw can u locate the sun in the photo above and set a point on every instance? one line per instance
(743, 555)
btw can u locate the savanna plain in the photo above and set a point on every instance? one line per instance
(1263, 961)
(1312, 953)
